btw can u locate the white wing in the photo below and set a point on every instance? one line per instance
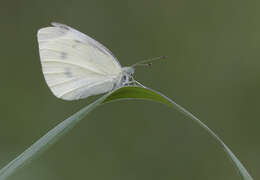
(74, 65)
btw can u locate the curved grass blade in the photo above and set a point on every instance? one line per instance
(123, 93)
(47, 140)
(149, 94)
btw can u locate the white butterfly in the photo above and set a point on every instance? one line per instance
(76, 66)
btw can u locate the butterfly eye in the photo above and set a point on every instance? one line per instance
(124, 78)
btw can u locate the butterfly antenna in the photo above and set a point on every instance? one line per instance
(148, 62)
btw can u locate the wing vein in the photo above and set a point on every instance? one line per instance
(77, 88)
(73, 64)
(64, 82)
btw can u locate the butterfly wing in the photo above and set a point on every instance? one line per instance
(74, 65)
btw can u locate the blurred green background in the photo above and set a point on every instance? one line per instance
(213, 70)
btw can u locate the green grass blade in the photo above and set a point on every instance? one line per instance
(123, 93)
(149, 94)
(47, 140)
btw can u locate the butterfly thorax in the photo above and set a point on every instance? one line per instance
(127, 76)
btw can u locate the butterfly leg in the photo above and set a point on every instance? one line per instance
(139, 84)
(133, 82)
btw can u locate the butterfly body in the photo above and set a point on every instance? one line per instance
(76, 66)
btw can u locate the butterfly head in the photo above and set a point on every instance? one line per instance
(128, 71)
